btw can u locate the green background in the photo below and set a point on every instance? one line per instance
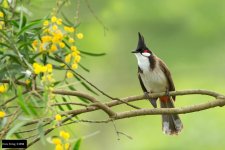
(189, 35)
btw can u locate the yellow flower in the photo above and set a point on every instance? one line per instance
(27, 81)
(46, 38)
(57, 36)
(1, 14)
(58, 117)
(74, 66)
(56, 141)
(2, 114)
(73, 48)
(53, 19)
(69, 74)
(3, 88)
(64, 135)
(49, 67)
(53, 48)
(71, 40)
(75, 53)
(54, 27)
(80, 35)
(69, 29)
(46, 31)
(34, 43)
(45, 23)
(44, 69)
(77, 58)
(68, 58)
(59, 147)
(59, 21)
(37, 68)
(67, 146)
(61, 44)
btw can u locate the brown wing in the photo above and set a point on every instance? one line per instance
(140, 80)
(168, 76)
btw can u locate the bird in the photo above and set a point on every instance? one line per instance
(154, 77)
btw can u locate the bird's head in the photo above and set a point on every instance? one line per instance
(141, 47)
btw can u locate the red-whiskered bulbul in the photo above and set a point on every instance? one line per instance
(154, 77)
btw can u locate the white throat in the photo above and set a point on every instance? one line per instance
(143, 62)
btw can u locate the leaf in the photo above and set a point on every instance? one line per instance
(67, 20)
(14, 23)
(36, 55)
(32, 109)
(86, 86)
(77, 144)
(21, 102)
(41, 132)
(84, 67)
(30, 25)
(12, 56)
(5, 45)
(18, 135)
(84, 100)
(81, 98)
(92, 54)
(60, 107)
(67, 105)
(15, 128)
(23, 20)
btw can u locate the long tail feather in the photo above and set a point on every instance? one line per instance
(171, 123)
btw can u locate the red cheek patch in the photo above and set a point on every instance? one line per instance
(146, 51)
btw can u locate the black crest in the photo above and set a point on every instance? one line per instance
(141, 42)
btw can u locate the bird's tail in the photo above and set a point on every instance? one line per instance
(171, 123)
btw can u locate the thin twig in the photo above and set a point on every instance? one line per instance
(96, 17)
(91, 84)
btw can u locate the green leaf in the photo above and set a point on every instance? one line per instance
(86, 86)
(77, 144)
(73, 89)
(5, 45)
(41, 132)
(92, 54)
(32, 109)
(60, 107)
(14, 23)
(30, 25)
(67, 20)
(67, 105)
(36, 55)
(84, 100)
(21, 102)
(18, 136)
(86, 69)
(15, 128)
(12, 56)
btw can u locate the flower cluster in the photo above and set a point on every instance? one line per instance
(47, 78)
(3, 88)
(2, 23)
(61, 142)
(59, 38)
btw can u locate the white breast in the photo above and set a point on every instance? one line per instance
(154, 79)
